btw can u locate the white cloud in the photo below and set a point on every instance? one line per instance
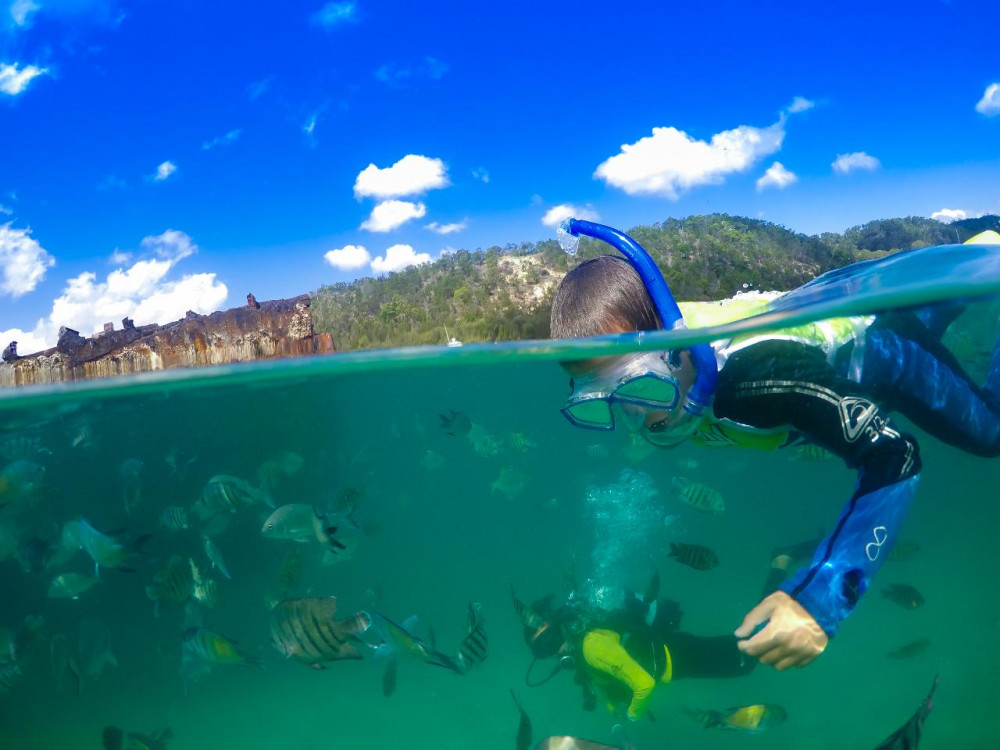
(397, 258)
(948, 215)
(310, 124)
(223, 140)
(558, 214)
(170, 246)
(21, 10)
(447, 228)
(845, 163)
(14, 81)
(776, 176)
(389, 215)
(257, 89)
(164, 171)
(6, 209)
(335, 14)
(398, 75)
(142, 292)
(119, 257)
(989, 105)
(800, 104)
(23, 261)
(348, 257)
(670, 161)
(481, 174)
(411, 175)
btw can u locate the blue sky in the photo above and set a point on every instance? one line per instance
(165, 156)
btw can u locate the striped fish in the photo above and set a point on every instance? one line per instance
(204, 645)
(694, 556)
(206, 590)
(175, 518)
(227, 494)
(307, 630)
(699, 496)
(473, 648)
(28, 448)
(173, 584)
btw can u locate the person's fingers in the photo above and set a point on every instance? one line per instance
(790, 661)
(760, 643)
(755, 617)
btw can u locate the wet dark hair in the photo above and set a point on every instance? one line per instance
(600, 295)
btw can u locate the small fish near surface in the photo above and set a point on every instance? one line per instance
(214, 555)
(572, 743)
(911, 649)
(696, 556)
(114, 738)
(510, 482)
(749, 719)
(300, 522)
(107, 550)
(907, 737)
(524, 731)
(903, 595)
(204, 645)
(70, 586)
(308, 630)
(173, 584)
(699, 496)
(175, 518)
(224, 493)
(455, 423)
(130, 479)
(20, 480)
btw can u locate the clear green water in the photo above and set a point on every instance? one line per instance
(439, 538)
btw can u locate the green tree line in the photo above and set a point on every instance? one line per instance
(505, 293)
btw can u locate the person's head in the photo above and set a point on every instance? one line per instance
(643, 392)
(547, 640)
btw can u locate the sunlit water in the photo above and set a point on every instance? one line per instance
(442, 531)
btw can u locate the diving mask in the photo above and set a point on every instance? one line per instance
(625, 392)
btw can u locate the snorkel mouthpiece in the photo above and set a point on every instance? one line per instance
(706, 368)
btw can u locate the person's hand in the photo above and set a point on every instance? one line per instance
(791, 638)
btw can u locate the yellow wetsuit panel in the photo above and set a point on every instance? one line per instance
(603, 651)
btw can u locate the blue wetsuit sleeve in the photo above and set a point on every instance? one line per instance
(845, 562)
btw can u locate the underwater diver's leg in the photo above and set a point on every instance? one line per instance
(917, 375)
(603, 651)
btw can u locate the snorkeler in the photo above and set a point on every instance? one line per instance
(828, 383)
(627, 652)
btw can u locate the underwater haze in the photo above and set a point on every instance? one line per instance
(451, 476)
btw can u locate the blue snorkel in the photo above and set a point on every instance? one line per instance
(706, 368)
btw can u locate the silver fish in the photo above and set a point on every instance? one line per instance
(214, 555)
(227, 494)
(70, 586)
(175, 518)
(299, 522)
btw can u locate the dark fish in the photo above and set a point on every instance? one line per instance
(911, 649)
(389, 677)
(903, 595)
(907, 737)
(473, 648)
(527, 615)
(523, 740)
(903, 550)
(571, 743)
(455, 423)
(694, 556)
(114, 738)
(307, 630)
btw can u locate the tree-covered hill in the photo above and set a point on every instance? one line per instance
(506, 292)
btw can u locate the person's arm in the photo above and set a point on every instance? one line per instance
(785, 383)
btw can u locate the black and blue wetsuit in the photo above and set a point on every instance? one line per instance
(783, 383)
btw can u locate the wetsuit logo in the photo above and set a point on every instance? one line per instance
(855, 415)
(872, 549)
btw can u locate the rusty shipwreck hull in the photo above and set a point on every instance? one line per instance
(278, 328)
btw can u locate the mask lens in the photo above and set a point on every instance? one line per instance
(650, 389)
(590, 413)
